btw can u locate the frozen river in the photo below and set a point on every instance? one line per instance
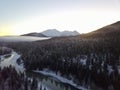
(47, 81)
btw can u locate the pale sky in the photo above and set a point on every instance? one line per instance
(25, 16)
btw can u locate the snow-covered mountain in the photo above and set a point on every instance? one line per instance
(51, 33)
(56, 33)
(69, 33)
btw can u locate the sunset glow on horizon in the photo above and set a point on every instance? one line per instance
(20, 17)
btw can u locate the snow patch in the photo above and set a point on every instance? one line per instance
(60, 78)
(119, 69)
(12, 60)
(110, 69)
(83, 61)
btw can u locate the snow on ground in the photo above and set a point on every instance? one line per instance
(60, 78)
(83, 61)
(119, 69)
(42, 86)
(12, 61)
(110, 69)
(2, 57)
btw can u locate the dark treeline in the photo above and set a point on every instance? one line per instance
(10, 79)
(101, 51)
(5, 50)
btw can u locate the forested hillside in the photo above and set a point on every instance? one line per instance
(91, 60)
(10, 79)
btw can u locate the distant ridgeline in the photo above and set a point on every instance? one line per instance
(52, 33)
(92, 60)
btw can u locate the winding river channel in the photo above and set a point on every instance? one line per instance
(50, 83)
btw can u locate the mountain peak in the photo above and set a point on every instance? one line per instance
(69, 33)
(57, 33)
(51, 32)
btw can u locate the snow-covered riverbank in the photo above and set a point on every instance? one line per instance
(12, 60)
(60, 78)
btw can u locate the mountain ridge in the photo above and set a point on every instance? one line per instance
(34, 34)
(106, 31)
(52, 33)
